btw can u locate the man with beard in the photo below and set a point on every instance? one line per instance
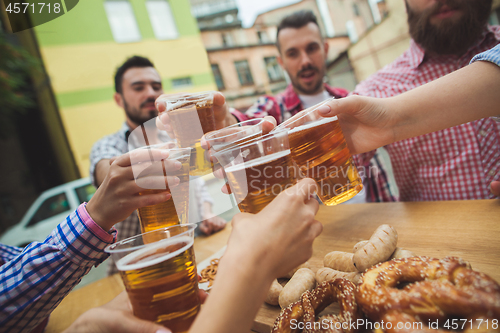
(458, 163)
(137, 85)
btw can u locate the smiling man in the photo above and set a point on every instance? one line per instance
(458, 163)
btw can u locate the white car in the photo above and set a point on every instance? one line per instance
(48, 210)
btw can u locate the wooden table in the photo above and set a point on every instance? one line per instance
(468, 229)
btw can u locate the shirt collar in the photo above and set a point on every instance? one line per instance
(124, 131)
(417, 53)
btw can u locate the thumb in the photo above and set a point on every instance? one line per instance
(334, 107)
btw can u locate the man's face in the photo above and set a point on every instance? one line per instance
(303, 56)
(447, 26)
(140, 88)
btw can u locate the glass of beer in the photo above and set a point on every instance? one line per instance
(259, 170)
(234, 135)
(160, 277)
(174, 210)
(319, 148)
(191, 116)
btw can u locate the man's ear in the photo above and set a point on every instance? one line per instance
(118, 99)
(280, 61)
(326, 46)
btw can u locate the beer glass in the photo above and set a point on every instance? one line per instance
(234, 135)
(191, 116)
(160, 277)
(259, 170)
(174, 210)
(319, 148)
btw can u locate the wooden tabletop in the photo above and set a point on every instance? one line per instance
(467, 229)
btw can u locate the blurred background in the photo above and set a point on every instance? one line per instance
(56, 80)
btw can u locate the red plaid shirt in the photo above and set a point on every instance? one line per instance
(281, 106)
(457, 163)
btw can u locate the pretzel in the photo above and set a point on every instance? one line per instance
(438, 290)
(313, 302)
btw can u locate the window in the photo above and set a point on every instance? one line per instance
(162, 19)
(263, 38)
(273, 69)
(218, 77)
(84, 193)
(183, 82)
(52, 206)
(122, 21)
(244, 74)
(227, 39)
(355, 9)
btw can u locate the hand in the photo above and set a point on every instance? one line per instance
(223, 117)
(212, 224)
(366, 122)
(118, 196)
(280, 237)
(495, 188)
(115, 316)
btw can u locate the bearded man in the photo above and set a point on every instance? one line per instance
(457, 163)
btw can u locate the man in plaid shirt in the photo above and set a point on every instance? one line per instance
(457, 163)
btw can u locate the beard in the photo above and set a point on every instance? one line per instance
(449, 37)
(309, 90)
(135, 115)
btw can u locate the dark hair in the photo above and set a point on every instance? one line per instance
(135, 61)
(296, 20)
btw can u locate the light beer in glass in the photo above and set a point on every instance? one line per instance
(191, 116)
(319, 148)
(259, 170)
(161, 278)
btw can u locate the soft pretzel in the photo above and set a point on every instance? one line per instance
(438, 289)
(313, 302)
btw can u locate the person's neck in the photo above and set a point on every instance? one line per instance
(131, 125)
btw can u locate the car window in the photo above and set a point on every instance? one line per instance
(52, 206)
(84, 193)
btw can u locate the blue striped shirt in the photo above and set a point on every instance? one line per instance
(34, 280)
(492, 55)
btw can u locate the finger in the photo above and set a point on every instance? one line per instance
(204, 228)
(495, 188)
(120, 302)
(268, 125)
(160, 125)
(130, 324)
(334, 107)
(219, 99)
(313, 204)
(203, 295)
(305, 188)
(226, 189)
(150, 199)
(218, 171)
(141, 155)
(112, 159)
(315, 229)
(157, 183)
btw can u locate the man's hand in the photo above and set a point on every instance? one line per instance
(495, 188)
(212, 225)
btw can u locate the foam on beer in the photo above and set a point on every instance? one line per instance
(123, 264)
(258, 161)
(313, 124)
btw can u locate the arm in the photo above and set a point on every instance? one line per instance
(252, 262)
(467, 94)
(34, 281)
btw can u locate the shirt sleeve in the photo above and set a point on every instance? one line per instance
(105, 148)
(492, 55)
(265, 106)
(33, 282)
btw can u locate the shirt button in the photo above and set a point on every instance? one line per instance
(483, 133)
(491, 173)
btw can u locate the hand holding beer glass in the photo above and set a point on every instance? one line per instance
(257, 171)
(175, 168)
(160, 277)
(319, 148)
(191, 116)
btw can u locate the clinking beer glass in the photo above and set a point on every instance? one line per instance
(259, 170)
(160, 277)
(191, 116)
(319, 148)
(174, 210)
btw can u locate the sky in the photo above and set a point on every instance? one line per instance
(249, 9)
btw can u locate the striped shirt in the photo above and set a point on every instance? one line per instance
(34, 280)
(492, 55)
(456, 163)
(115, 145)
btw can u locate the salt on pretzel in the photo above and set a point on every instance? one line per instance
(313, 302)
(438, 290)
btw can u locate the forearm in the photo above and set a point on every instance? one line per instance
(465, 95)
(235, 298)
(101, 170)
(62, 259)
